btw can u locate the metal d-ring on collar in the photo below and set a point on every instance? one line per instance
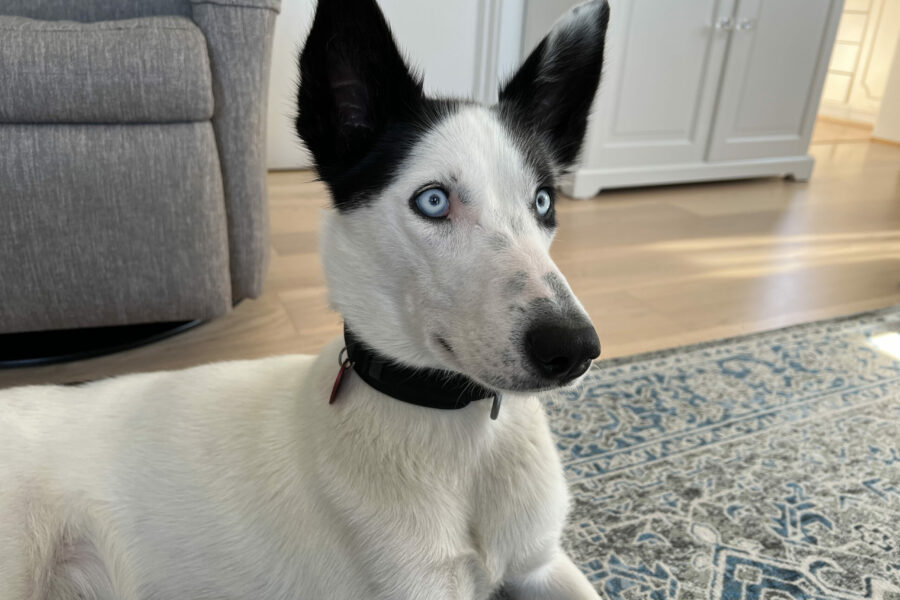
(344, 362)
(431, 388)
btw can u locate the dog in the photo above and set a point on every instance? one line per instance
(374, 470)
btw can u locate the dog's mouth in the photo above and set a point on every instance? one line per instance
(449, 354)
(443, 343)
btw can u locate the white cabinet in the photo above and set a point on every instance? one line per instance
(659, 85)
(706, 89)
(777, 54)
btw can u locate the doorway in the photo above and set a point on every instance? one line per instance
(858, 77)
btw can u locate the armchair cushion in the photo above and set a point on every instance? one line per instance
(110, 225)
(148, 70)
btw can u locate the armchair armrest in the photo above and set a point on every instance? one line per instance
(239, 39)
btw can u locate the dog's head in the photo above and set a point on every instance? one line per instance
(437, 254)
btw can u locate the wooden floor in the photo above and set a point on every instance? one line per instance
(655, 267)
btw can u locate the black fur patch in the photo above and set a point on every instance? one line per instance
(537, 154)
(357, 184)
(360, 107)
(552, 92)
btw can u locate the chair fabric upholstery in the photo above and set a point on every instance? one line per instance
(139, 196)
(149, 70)
(129, 226)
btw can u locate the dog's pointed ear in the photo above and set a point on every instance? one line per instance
(552, 92)
(353, 83)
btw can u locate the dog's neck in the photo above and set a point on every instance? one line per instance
(431, 388)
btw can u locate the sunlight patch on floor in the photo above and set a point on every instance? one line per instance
(889, 343)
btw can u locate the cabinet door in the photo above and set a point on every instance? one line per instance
(662, 66)
(776, 64)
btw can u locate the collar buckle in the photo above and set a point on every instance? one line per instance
(495, 407)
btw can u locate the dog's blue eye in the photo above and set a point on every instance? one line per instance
(542, 202)
(433, 203)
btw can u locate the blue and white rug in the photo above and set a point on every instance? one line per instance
(759, 468)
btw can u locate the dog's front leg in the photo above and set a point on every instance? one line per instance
(558, 579)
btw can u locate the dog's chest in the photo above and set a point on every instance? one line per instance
(466, 519)
(519, 503)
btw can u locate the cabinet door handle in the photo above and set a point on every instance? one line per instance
(725, 24)
(745, 25)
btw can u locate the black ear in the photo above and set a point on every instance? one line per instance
(552, 92)
(353, 84)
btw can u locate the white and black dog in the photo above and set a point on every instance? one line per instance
(273, 480)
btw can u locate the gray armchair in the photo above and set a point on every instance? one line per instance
(132, 174)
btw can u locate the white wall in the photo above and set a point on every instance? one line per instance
(539, 16)
(509, 50)
(459, 46)
(283, 148)
(888, 125)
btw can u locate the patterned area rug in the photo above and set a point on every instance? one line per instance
(765, 467)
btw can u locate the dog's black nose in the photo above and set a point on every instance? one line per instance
(562, 350)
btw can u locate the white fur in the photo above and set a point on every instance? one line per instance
(239, 480)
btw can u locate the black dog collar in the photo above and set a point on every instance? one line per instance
(431, 388)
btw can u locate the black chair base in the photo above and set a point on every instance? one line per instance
(50, 347)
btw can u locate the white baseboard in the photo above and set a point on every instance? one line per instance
(585, 183)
